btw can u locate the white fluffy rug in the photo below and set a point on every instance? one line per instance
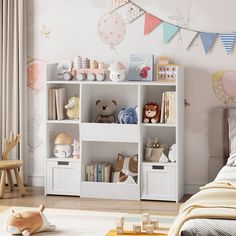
(84, 223)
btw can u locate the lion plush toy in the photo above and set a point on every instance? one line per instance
(125, 169)
(151, 113)
(28, 222)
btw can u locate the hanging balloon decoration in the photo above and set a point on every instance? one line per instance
(224, 86)
(36, 70)
(111, 29)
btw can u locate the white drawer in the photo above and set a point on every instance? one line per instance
(158, 182)
(63, 177)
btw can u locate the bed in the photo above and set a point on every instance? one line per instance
(212, 211)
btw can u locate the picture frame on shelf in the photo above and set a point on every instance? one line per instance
(166, 72)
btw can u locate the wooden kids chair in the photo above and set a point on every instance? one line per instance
(7, 165)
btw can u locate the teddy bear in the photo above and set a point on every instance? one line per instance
(151, 113)
(125, 169)
(28, 222)
(105, 111)
(128, 115)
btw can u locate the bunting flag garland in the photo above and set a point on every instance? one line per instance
(115, 4)
(228, 42)
(150, 23)
(169, 31)
(207, 40)
(134, 12)
(187, 37)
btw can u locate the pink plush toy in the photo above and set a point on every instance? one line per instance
(28, 222)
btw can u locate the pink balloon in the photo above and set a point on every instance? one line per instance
(111, 28)
(228, 82)
(36, 71)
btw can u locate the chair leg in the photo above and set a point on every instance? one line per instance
(19, 182)
(10, 181)
(2, 183)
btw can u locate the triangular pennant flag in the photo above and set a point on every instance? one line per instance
(150, 23)
(115, 4)
(133, 13)
(169, 31)
(207, 40)
(187, 37)
(228, 41)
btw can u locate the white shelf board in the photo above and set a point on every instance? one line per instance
(110, 190)
(70, 159)
(109, 132)
(158, 125)
(109, 82)
(147, 163)
(63, 121)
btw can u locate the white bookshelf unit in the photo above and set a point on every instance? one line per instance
(103, 142)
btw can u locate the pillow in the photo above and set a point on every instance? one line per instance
(232, 139)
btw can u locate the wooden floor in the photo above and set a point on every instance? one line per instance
(35, 197)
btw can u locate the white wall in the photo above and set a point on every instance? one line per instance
(73, 25)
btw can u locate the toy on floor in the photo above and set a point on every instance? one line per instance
(147, 225)
(105, 111)
(125, 169)
(28, 222)
(151, 113)
(117, 72)
(128, 115)
(73, 108)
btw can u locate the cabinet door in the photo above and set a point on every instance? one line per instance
(63, 177)
(158, 182)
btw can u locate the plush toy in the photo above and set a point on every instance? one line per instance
(62, 145)
(128, 115)
(28, 222)
(73, 108)
(117, 72)
(105, 111)
(125, 169)
(151, 113)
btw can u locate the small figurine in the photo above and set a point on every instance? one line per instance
(117, 72)
(76, 152)
(137, 228)
(62, 145)
(73, 108)
(149, 229)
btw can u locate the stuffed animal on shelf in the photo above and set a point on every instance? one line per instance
(62, 145)
(28, 222)
(125, 169)
(117, 72)
(151, 113)
(73, 108)
(128, 115)
(105, 111)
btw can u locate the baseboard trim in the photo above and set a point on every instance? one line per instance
(37, 181)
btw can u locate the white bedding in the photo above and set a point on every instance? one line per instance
(227, 173)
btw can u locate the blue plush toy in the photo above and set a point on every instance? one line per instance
(128, 115)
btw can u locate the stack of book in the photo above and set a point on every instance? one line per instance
(99, 172)
(168, 107)
(56, 103)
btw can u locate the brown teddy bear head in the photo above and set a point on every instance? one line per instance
(105, 107)
(151, 109)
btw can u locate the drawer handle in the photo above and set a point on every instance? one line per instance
(158, 167)
(63, 163)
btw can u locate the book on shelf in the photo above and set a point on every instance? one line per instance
(168, 107)
(56, 103)
(99, 172)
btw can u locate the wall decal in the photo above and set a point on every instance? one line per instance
(133, 13)
(169, 31)
(150, 23)
(111, 29)
(186, 103)
(187, 37)
(207, 40)
(46, 32)
(224, 86)
(36, 69)
(115, 4)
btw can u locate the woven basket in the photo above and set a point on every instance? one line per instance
(153, 154)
